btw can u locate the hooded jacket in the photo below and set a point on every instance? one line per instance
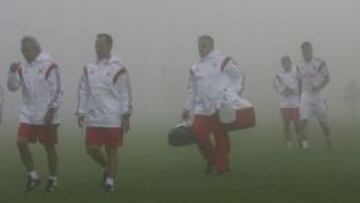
(104, 93)
(41, 88)
(214, 79)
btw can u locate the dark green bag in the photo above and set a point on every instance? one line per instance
(181, 136)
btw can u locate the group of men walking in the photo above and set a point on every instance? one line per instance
(104, 108)
(105, 104)
(301, 95)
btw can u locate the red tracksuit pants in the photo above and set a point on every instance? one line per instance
(215, 151)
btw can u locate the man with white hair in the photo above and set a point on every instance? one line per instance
(210, 77)
(39, 79)
(105, 106)
(314, 76)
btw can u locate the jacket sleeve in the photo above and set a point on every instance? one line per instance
(190, 93)
(235, 73)
(279, 84)
(123, 86)
(323, 69)
(54, 85)
(83, 95)
(299, 79)
(14, 80)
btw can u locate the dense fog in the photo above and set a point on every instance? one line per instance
(157, 41)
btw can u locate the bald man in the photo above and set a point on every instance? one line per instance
(210, 78)
(39, 79)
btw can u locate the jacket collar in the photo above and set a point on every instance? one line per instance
(108, 61)
(290, 71)
(210, 55)
(42, 57)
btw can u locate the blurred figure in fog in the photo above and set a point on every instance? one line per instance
(286, 83)
(314, 76)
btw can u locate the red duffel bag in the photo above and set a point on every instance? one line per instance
(240, 117)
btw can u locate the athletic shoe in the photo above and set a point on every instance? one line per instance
(31, 184)
(108, 188)
(51, 185)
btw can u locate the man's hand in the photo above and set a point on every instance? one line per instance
(126, 125)
(81, 121)
(185, 115)
(13, 67)
(49, 116)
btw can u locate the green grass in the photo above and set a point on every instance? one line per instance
(151, 171)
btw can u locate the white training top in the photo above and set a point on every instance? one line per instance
(212, 80)
(311, 75)
(104, 94)
(41, 88)
(288, 79)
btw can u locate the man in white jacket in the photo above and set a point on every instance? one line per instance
(314, 76)
(210, 78)
(39, 79)
(286, 83)
(104, 106)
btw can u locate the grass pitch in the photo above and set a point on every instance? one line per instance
(151, 171)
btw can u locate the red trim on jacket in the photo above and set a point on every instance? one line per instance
(49, 69)
(118, 74)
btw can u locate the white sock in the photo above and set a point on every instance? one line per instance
(33, 175)
(109, 181)
(305, 144)
(289, 145)
(53, 178)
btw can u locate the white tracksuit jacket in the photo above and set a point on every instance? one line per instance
(311, 74)
(104, 94)
(289, 80)
(41, 88)
(209, 86)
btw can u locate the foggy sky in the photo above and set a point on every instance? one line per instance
(157, 41)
